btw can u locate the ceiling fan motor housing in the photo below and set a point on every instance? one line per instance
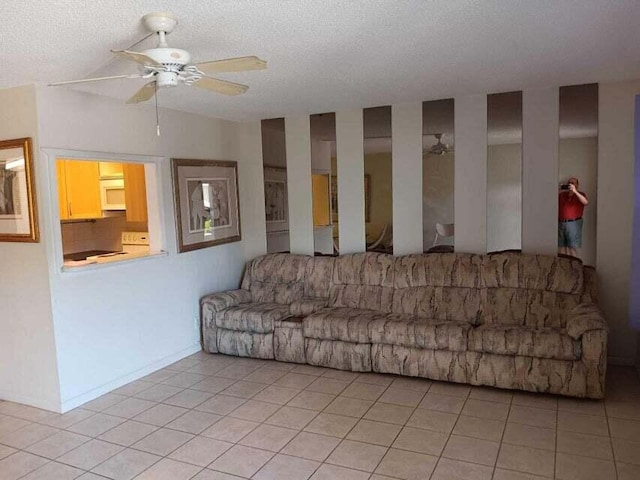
(169, 56)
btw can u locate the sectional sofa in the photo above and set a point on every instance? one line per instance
(507, 320)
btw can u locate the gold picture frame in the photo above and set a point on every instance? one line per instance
(18, 212)
(207, 203)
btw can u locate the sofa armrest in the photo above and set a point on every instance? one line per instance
(585, 318)
(307, 306)
(217, 302)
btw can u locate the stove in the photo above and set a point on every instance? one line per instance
(134, 244)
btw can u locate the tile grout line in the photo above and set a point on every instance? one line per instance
(504, 430)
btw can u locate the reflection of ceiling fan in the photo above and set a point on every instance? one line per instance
(438, 148)
(168, 67)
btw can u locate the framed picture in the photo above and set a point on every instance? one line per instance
(276, 203)
(18, 213)
(367, 198)
(206, 202)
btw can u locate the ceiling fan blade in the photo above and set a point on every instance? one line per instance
(97, 79)
(240, 64)
(137, 57)
(221, 86)
(144, 94)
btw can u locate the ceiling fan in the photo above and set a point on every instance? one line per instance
(168, 67)
(439, 148)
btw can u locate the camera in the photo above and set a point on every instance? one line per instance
(564, 186)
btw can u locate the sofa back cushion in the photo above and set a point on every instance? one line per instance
(438, 286)
(530, 290)
(534, 272)
(363, 280)
(276, 278)
(317, 277)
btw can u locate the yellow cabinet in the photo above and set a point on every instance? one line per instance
(111, 170)
(320, 193)
(78, 189)
(135, 192)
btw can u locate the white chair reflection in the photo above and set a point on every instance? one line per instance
(443, 230)
(380, 238)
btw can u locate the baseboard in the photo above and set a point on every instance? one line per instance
(78, 400)
(45, 404)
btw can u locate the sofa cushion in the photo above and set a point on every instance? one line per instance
(367, 297)
(317, 277)
(363, 280)
(534, 272)
(526, 307)
(417, 332)
(254, 317)
(438, 270)
(345, 324)
(277, 278)
(364, 269)
(524, 341)
(442, 303)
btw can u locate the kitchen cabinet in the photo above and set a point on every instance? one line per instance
(78, 189)
(135, 192)
(110, 170)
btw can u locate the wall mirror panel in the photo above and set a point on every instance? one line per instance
(577, 172)
(275, 185)
(504, 171)
(438, 175)
(378, 194)
(323, 182)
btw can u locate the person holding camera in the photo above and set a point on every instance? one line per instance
(571, 203)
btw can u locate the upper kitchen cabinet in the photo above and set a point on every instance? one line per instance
(135, 192)
(111, 170)
(79, 189)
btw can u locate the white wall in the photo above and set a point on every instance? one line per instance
(28, 366)
(117, 323)
(615, 212)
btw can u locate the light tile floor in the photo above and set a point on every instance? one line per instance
(213, 417)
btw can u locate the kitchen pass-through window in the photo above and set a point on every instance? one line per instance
(103, 207)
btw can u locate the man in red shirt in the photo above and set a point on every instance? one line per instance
(571, 203)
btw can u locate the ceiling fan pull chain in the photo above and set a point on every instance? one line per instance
(157, 116)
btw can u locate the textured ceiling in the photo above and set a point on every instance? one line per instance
(326, 55)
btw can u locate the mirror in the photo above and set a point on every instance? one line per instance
(504, 171)
(378, 195)
(438, 175)
(323, 162)
(18, 216)
(577, 172)
(275, 185)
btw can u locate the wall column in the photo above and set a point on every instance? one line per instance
(406, 165)
(298, 148)
(470, 192)
(350, 158)
(251, 184)
(540, 118)
(616, 105)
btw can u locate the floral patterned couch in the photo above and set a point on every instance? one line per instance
(507, 320)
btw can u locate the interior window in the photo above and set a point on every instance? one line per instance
(103, 211)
